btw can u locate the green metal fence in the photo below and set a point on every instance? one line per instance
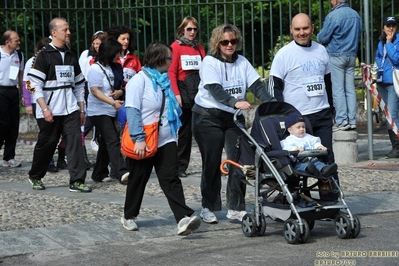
(264, 24)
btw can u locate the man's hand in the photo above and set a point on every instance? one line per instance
(82, 118)
(48, 116)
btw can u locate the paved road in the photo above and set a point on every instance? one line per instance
(230, 247)
(105, 242)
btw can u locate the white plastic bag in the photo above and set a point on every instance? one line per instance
(395, 78)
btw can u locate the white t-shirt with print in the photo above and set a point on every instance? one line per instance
(141, 95)
(302, 69)
(234, 77)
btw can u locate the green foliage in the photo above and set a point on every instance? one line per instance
(264, 23)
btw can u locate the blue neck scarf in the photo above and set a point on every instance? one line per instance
(174, 110)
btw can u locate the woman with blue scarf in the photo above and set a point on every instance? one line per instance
(144, 96)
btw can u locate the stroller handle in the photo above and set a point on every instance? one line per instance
(238, 123)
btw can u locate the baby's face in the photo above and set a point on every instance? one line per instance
(298, 129)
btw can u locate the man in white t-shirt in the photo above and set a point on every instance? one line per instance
(11, 73)
(300, 76)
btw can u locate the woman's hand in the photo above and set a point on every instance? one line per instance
(242, 105)
(178, 97)
(140, 148)
(390, 36)
(117, 104)
(116, 94)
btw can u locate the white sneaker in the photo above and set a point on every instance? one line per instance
(94, 145)
(235, 215)
(125, 177)
(129, 224)
(343, 126)
(107, 179)
(208, 216)
(11, 163)
(188, 224)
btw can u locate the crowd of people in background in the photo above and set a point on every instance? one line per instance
(108, 86)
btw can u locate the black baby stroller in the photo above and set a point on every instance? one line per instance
(281, 193)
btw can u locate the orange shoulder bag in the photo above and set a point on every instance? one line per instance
(151, 138)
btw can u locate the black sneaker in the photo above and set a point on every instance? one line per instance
(62, 165)
(328, 170)
(37, 184)
(52, 168)
(79, 187)
(182, 173)
(311, 169)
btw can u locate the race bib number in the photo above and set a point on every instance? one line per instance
(128, 74)
(65, 74)
(314, 86)
(190, 62)
(13, 72)
(234, 91)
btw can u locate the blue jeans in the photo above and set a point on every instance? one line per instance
(343, 84)
(391, 101)
(302, 166)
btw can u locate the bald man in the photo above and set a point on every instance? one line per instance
(300, 76)
(11, 74)
(57, 84)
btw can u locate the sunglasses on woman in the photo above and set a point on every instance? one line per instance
(226, 42)
(191, 29)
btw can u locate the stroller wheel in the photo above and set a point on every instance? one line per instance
(261, 228)
(356, 229)
(248, 225)
(311, 224)
(303, 238)
(291, 231)
(343, 226)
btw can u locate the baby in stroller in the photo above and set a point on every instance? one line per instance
(299, 140)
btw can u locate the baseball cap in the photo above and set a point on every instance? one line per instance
(389, 20)
(293, 119)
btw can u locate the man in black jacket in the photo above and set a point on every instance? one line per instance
(58, 86)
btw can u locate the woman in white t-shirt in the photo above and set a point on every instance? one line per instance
(145, 93)
(87, 57)
(225, 76)
(102, 108)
